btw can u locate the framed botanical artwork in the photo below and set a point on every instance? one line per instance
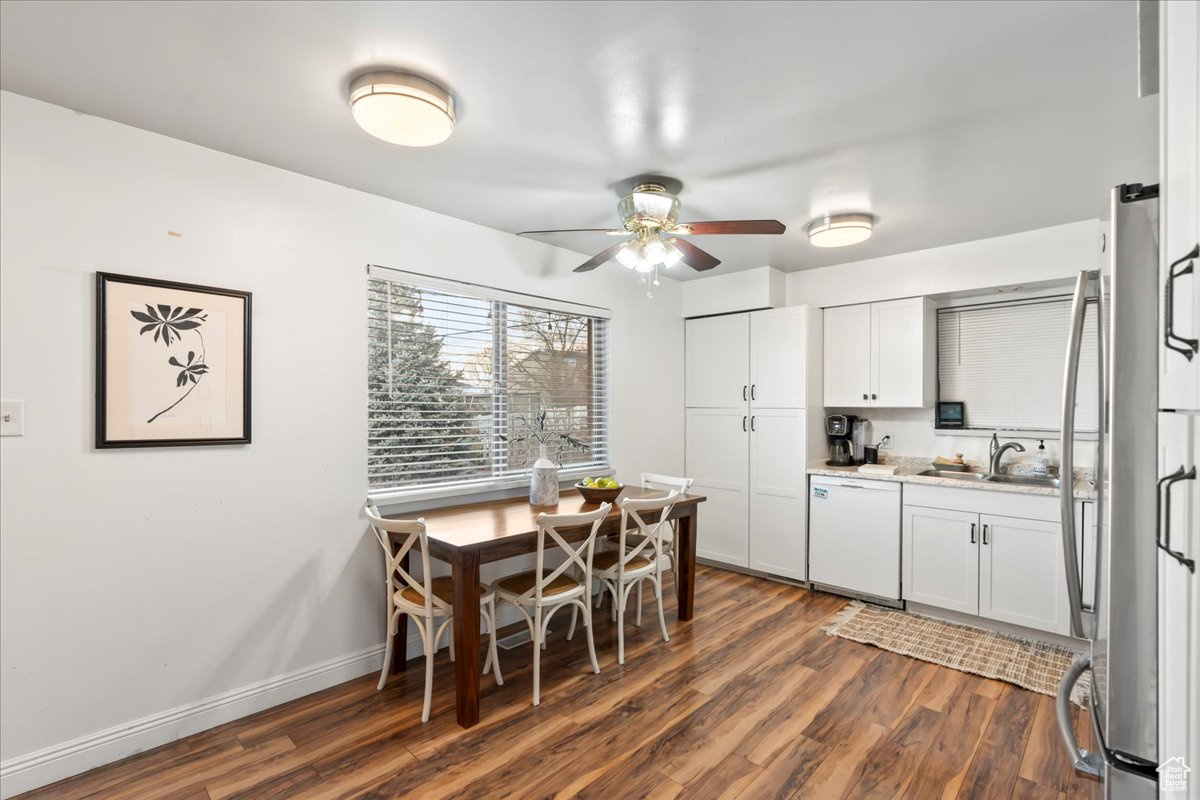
(172, 363)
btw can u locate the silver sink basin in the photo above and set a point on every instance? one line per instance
(976, 477)
(973, 477)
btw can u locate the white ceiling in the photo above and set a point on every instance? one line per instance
(950, 121)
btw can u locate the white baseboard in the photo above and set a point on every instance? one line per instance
(50, 764)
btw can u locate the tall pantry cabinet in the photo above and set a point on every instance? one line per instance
(752, 391)
(1179, 388)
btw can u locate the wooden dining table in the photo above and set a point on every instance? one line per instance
(466, 536)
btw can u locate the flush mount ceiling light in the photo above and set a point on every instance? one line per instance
(840, 230)
(402, 108)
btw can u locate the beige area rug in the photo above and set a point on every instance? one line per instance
(1033, 665)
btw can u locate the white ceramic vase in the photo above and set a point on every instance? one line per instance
(543, 485)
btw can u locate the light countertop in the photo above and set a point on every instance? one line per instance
(907, 469)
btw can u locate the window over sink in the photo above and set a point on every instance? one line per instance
(452, 367)
(1005, 362)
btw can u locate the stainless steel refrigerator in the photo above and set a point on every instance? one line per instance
(1122, 624)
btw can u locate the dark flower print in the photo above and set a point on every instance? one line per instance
(167, 322)
(189, 371)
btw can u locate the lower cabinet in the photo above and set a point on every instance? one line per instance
(941, 558)
(1004, 568)
(718, 462)
(1021, 577)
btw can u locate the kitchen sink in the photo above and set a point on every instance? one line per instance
(976, 477)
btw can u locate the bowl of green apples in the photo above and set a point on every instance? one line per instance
(599, 490)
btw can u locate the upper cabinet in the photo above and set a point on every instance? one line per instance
(880, 355)
(717, 366)
(759, 357)
(1179, 129)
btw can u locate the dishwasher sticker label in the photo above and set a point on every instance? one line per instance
(820, 492)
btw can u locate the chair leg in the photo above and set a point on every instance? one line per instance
(638, 587)
(537, 655)
(429, 644)
(662, 620)
(587, 623)
(574, 615)
(620, 604)
(493, 655)
(387, 656)
(450, 639)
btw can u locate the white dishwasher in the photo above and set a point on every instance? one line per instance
(854, 536)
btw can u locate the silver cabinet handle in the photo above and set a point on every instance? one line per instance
(1163, 532)
(1190, 346)
(972, 533)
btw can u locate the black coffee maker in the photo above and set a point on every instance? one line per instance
(839, 428)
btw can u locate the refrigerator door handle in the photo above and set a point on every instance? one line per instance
(1067, 457)
(1084, 761)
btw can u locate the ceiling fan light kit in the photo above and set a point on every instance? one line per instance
(650, 213)
(840, 230)
(402, 108)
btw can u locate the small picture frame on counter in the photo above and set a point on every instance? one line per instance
(951, 414)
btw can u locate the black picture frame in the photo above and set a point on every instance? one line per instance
(105, 282)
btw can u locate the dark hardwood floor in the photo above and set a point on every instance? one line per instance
(750, 700)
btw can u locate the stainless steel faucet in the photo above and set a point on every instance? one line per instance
(998, 451)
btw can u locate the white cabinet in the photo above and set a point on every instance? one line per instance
(782, 345)
(1021, 573)
(847, 356)
(748, 437)
(1179, 217)
(718, 461)
(1179, 592)
(777, 481)
(962, 555)
(941, 558)
(717, 362)
(880, 355)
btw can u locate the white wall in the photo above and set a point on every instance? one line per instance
(1031, 257)
(141, 582)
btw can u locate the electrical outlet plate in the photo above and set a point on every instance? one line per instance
(12, 417)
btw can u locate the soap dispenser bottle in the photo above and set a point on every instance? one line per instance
(1041, 463)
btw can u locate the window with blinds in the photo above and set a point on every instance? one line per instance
(450, 377)
(1005, 362)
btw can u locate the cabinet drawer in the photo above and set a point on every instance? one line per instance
(1005, 504)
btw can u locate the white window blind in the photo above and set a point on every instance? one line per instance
(1005, 362)
(449, 375)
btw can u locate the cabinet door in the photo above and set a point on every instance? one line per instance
(717, 459)
(847, 356)
(778, 348)
(941, 558)
(1179, 377)
(901, 353)
(717, 362)
(777, 496)
(1179, 595)
(1021, 573)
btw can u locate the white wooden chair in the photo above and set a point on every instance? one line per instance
(428, 602)
(539, 593)
(638, 558)
(668, 483)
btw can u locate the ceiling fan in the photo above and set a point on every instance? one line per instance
(649, 215)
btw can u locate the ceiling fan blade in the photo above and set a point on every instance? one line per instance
(608, 231)
(600, 258)
(731, 227)
(696, 258)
